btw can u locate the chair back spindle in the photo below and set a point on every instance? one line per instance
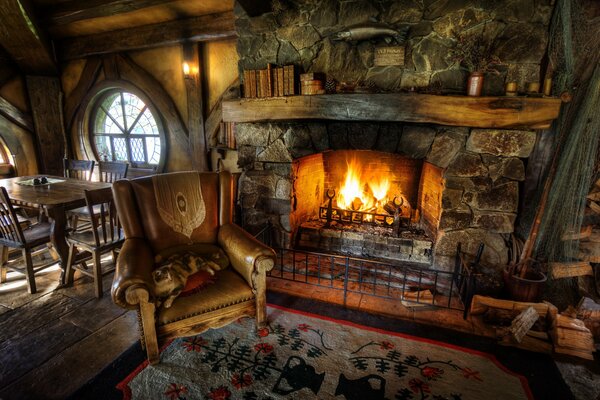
(111, 171)
(106, 228)
(10, 228)
(78, 169)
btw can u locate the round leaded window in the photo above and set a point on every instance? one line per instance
(124, 128)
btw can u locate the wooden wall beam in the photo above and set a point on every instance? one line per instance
(193, 87)
(46, 104)
(23, 40)
(15, 115)
(197, 29)
(86, 81)
(79, 10)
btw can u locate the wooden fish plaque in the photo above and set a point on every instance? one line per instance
(389, 55)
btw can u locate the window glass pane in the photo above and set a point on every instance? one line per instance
(133, 108)
(103, 147)
(120, 149)
(112, 105)
(137, 150)
(146, 125)
(153, 149)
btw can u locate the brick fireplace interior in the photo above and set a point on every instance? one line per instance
(383, 205)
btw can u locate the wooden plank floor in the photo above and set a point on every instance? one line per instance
(54, 341)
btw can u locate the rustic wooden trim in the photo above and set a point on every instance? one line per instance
(139, 77)
(196, 29)
(78, 10)
(86, 81)
(15, 115)
(212, 124)
(111, 71)
(195, 107)
(45, 98)
(22, 39)
(478, 112)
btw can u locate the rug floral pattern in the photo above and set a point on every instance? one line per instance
(301, 356)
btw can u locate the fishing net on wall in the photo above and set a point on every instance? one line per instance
(573, 56)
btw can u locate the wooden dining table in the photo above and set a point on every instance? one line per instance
(57, 197)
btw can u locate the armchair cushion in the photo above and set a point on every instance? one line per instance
(229, 289)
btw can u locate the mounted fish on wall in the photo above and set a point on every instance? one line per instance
(384, 55)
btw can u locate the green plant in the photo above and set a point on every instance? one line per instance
(474, 52)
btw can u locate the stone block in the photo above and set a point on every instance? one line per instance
(403, 11)
(445, 146)
(267, 52)
(467, 164)
(523, 73)
(473, 184)
(274, 206)
(495, 251)
(280, 169)
(339, 60)
(263, 23)
(319, 136)
(494, 221)
(287, 53)
(362, 136)
(356, 12)
(452, 198)
(429, 54)
(297, 135)
(522, 43)
(454, 219)
(275, 152)
(283, 190)
(416, 140)
(325, 14)
(262, 182)
(246, 156)
(252, 134)
(450, 79)
(502, 142)
(504, 197)
(300, 37)
(284, 221)
(498, 167)
(386, 78)
(414, 79)
(338, 135)
(388, 137)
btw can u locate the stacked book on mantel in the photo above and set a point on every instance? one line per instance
(226, 135)
(270, 82)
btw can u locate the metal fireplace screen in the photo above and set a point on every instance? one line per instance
(406, 282)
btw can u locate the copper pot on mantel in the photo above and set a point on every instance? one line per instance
(475, 83)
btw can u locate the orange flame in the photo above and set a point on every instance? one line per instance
(357, 195)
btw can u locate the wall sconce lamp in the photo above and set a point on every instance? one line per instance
(190, 62)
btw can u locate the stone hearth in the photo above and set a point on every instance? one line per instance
(476, 174)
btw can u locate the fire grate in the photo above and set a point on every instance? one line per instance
(392, 218)
(406, 282)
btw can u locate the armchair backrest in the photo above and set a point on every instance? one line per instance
(174, 209)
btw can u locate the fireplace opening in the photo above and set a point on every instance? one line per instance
(366, 203)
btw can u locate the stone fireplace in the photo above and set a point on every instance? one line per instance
(459, 184)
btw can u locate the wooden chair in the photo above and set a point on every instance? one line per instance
(13, 234)
(105, 235)
(78, 169)
(108, 171)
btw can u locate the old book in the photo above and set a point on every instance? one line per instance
(292, 82)
(253, 93)
(275, 82)
(280, 81)
(269, 81)
(286, 81)
(246, 84)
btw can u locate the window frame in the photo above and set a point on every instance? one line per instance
(95, 106)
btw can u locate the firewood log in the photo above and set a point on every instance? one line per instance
(522, 323)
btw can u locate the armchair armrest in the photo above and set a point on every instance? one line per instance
(133, 275)
(248, 256)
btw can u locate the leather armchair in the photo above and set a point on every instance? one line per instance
(166, 214)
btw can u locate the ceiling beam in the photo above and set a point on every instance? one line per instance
(23, 40)
(196, 29)
(15, 115)
(254, 8)
(79, 10)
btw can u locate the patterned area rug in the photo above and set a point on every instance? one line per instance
(305, 356)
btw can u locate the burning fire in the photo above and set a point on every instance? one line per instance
(357, 195)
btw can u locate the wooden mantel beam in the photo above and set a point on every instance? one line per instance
(79, 10)
(196, 29)
(23, 40)
(476, 112)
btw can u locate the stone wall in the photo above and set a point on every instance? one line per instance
(481, 174)
(300, 31)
